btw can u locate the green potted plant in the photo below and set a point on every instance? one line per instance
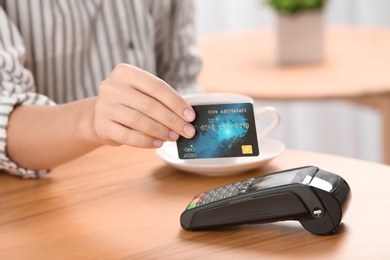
(295, 6)
(299, 30)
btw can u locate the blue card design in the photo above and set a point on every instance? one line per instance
(223, 130)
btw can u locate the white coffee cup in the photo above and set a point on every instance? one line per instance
(232, 98)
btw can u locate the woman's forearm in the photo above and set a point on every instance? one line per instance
(42, 137)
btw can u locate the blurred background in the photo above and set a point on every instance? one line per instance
(336, 126)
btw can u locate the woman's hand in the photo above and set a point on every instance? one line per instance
(138, 109)
(133, 108)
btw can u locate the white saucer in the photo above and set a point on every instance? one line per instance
(269, 149)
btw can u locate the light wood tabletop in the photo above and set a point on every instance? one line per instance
(126, 203)
(355, 68)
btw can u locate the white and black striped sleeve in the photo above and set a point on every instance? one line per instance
(16, 88)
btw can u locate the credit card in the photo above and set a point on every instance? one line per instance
(223, 130)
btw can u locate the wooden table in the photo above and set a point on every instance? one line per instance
(126, 203)
(356, 68)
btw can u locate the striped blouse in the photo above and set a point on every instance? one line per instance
(56, 51)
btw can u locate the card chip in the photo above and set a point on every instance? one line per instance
(246, 149)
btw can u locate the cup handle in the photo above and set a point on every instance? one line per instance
(276, 120)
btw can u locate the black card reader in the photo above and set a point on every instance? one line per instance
(314, 197)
